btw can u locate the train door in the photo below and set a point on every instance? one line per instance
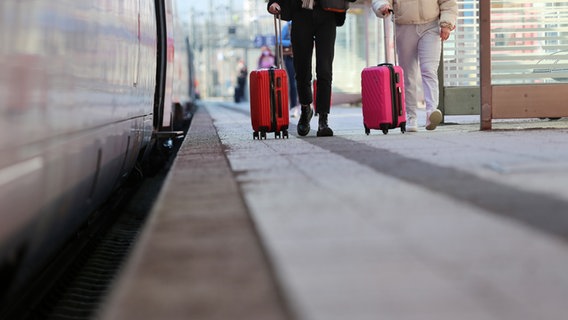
(137, 66)
(164, 74)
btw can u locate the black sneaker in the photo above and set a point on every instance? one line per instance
(323, 129)
(304, 122)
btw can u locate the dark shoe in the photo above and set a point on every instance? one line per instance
(304, 122)
(323, 129)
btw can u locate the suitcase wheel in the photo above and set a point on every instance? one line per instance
(262, 134)
(259, 135)
(367, 130)
(403, 127)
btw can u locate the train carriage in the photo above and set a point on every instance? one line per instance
(85, 92)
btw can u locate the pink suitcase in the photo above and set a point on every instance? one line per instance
(383, 104)
(382, 93)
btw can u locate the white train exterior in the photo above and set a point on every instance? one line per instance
(86, 88)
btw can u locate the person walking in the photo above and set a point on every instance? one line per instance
(312, 25)
(241, 83)
(289, 65)
(421, 26)
(266, 58)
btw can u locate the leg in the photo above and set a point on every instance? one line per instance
(407, 47)
(303, 44)
(289, 61)
(429, 49)
(325, 34)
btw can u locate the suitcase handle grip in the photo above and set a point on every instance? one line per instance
(279, 48)
(393, 20)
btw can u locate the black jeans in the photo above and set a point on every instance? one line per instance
(293, 96)
(314, 27)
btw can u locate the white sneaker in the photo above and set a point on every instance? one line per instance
(411, 125)
(295, 112)
(433, 119)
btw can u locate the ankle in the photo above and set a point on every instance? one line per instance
(323, 129)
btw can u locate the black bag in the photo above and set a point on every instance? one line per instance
(334, 5)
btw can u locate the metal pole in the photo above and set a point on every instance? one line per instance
(441, 95)
(485, 64)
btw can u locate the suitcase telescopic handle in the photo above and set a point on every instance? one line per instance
(278, 33)
(393, 21)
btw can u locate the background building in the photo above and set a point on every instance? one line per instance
(530, 46)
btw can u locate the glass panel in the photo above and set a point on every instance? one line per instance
(529, 42)
(359, 43)
(461, 51)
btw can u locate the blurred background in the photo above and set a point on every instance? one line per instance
(530, 46)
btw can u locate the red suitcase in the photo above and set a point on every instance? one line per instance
(382, 93)
(269, 96)
(269, 102)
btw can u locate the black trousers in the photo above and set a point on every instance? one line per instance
(314, 27)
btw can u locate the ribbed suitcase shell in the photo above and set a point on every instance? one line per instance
(269, 102)
(383, 100)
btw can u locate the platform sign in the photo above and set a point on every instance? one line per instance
(264, 40)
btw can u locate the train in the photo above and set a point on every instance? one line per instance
(88, 90)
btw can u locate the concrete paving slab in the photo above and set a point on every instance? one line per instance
(199, 256)
(450, 224)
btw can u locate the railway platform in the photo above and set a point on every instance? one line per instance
(449, 224)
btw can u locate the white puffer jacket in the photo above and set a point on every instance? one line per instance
(420, 11)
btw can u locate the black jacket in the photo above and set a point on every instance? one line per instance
(288, 7)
